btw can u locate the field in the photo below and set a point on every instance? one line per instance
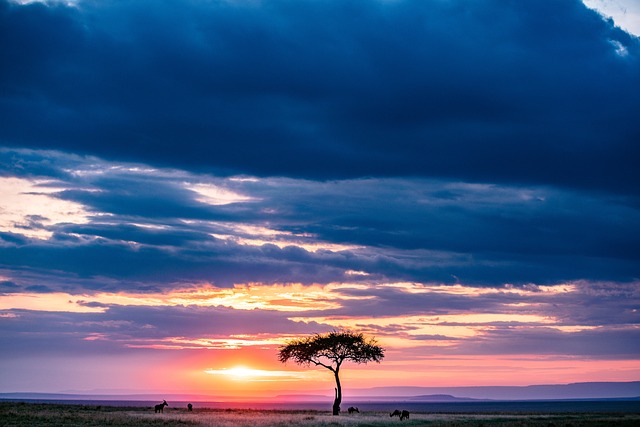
(41, 415)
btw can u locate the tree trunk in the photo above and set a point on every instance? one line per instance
(338, 400)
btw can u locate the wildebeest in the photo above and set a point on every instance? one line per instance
(160, 407)
(352, 409)
(189, 407)
(402, 415)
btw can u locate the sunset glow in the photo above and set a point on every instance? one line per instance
(241, 373)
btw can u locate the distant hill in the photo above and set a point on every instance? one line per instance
(587, 390)
(575, 391)
(439, 398)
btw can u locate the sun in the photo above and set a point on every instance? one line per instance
(240, 373)
(243, 373)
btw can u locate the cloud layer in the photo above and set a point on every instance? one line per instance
(541, 93)
(133, 223)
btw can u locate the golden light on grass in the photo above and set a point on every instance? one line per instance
(35, 414)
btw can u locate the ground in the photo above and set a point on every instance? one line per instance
(39, 415)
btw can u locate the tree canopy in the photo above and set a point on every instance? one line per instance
(330, 350)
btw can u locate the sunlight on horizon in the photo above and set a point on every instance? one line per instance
(242, 373)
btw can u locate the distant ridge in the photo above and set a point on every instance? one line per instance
(586, 390)
(575, 391)
(440, 398)
(420, 398)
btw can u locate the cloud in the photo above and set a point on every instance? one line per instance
(119, 226)
(122, 328)
(625, 13)
(598, 343)
(588, 304)
(452, 320)
(481, 91)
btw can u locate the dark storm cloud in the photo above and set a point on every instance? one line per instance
(443, 229)
(128, 267)
(149, 227)
(7, 285)
(493, 91)
(12, 239)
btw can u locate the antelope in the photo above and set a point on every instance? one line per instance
(160, 407)
(402, 415)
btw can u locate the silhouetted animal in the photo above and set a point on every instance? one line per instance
(160, 407)
(402, 415)
(189, 407)
(351, 410)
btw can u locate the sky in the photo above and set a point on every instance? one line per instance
(187, 185)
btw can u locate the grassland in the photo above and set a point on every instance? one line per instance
(49, 415)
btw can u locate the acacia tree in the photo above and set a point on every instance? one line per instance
(330, 350)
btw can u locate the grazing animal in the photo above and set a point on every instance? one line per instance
(160, 407)
(402, 415)
(351, 410)
(189, 407)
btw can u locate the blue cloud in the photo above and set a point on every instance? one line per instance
(148, 225)
(492, 91)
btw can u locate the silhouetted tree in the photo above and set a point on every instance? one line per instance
(330, 350)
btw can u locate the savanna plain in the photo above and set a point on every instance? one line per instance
(19, 414)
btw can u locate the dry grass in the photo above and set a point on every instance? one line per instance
(40, 415)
